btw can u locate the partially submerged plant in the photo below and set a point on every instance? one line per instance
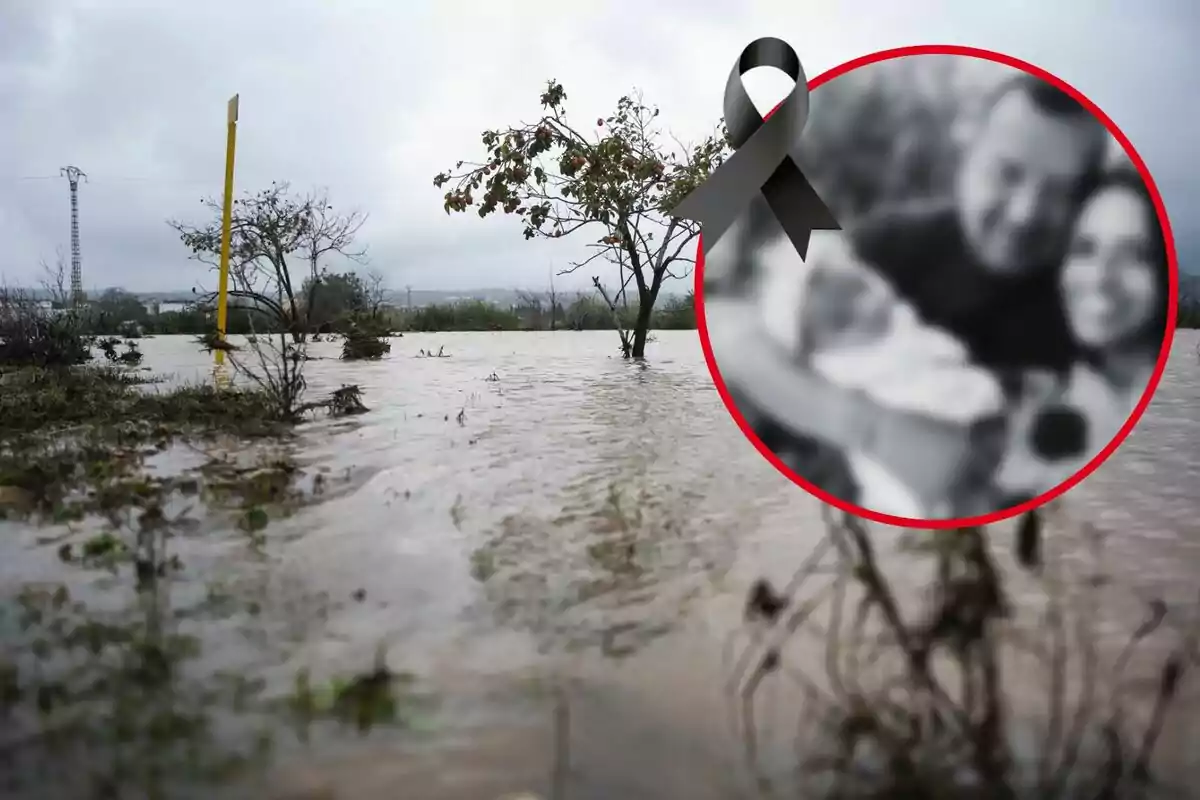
(918, 705)
(110, 689)
(278, 373)
(359, 344)
(214, 340)
(32, 336)
(279, 376)
(345, 401)
(131, 356)
(379, 696)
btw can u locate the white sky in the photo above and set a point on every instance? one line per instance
(372, 98)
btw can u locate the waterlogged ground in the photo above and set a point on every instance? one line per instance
(547, 546)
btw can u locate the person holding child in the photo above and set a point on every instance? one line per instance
(922, 345)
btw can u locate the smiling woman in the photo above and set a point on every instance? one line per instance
(1115, 277)
(1114, 283)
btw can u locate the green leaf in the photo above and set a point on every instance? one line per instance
(256, 519)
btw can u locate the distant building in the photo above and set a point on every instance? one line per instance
(44, 307)
(155, 307)
(24, 302)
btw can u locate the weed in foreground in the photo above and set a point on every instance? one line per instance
(925, 704)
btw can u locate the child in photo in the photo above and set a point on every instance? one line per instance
(840, 319)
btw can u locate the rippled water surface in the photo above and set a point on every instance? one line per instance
(581, 523)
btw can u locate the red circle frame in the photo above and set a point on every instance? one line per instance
(1147, 395)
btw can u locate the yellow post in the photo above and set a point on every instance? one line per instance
(226, 224)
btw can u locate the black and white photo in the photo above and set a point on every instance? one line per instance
(990, 314)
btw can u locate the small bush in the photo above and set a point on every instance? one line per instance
(30, 336)
(131, 357)
(365, 338)
(346, 401)
(278, 373)
(359, 346)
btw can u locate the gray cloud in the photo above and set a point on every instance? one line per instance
(370, 99)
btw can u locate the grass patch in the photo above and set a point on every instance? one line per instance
(373, 698)
(75, 440)
(44, 402)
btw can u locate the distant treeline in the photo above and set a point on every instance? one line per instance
(477, 315)
(584, 313)
(1189, 313)
(115, 314)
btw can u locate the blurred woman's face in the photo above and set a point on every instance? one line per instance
(1108, 279)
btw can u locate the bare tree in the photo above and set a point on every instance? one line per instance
(271, 230)
(553, 303)
(375, 292)
(56, 280)
(530, 306)
(328, 233)
(626, 336)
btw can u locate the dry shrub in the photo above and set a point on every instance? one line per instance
(991, 679)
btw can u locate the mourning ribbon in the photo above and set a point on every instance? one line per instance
(762, 160)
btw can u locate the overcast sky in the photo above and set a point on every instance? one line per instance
(372, 98)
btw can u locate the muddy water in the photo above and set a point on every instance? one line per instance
(559, 557)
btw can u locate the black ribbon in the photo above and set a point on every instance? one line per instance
(762, 160)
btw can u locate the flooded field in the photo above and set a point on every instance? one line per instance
(550, 544)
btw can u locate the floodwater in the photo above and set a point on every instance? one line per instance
(559, 557)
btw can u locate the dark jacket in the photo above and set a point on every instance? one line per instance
(1006, 324)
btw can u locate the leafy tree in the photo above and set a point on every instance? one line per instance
(619, 180)
(193, 321)
(121, 305)
(277, 240)
(108, 313)
(678, 313)
(339, 295)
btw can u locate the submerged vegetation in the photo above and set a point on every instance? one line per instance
(29, 337)
(965, 691)
(366, 338)
(106, 678)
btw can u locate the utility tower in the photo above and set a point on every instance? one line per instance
(73, 175)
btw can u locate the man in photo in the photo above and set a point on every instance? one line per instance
(983, 264)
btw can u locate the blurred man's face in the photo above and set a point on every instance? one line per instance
(1018, 184)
